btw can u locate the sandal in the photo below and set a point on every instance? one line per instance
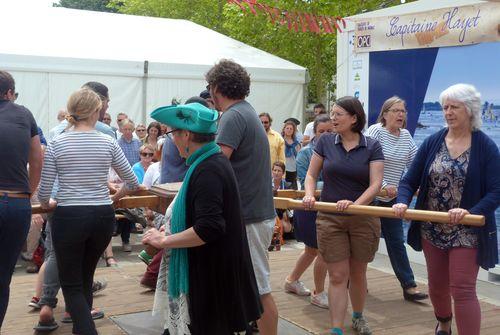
(95, 313)
(111, 261)
(46, 326)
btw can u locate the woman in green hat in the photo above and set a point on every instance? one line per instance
(210, 282)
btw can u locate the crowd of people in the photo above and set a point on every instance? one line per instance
(231, 161)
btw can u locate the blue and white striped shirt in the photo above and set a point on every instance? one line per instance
(81, 161)
(399, 152)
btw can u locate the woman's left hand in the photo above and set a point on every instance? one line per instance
(343, 204)
(154, 238)
(456, 215)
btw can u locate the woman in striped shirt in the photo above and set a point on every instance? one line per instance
(399, 151)
(84, 217)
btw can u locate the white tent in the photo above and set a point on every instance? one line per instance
(144, 61)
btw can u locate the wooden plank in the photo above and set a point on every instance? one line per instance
(411, 214)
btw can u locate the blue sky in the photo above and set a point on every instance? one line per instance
(478, 65)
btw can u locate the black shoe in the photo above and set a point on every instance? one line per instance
(414, 296)
(441, 332)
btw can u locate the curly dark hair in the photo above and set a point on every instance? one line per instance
(230, 78)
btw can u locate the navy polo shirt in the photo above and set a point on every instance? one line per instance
(346, 174)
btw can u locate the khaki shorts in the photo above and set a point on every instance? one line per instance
(259, 237)
(342, 237)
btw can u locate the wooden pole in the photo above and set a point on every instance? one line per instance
(294, 194)
(411, 214)
(147, 199)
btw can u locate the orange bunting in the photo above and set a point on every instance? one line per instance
(294, 20)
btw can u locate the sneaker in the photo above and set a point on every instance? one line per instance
(296, 287)
(99, 285)
(25, 256)
(320, 299)
(35, 303)
(127, 247)
(361, 326)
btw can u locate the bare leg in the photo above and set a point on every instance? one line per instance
(358, 285)
(303, 262)
(319, 274)
(39, 281)
(268, 323)
(108, 255)
(337, 292)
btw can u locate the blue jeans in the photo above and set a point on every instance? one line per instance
(51, 285)
(15, 219)
(392, 231)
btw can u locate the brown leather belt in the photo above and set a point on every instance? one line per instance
(15, 195)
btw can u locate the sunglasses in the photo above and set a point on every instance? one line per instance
(147, 154)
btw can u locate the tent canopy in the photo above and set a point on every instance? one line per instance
(144, 61)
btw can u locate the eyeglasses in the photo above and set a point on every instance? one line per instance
(140, 130)
(336, 115)
(106, 119)
(147, 154)
(396, 111)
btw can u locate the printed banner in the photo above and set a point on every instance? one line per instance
(442, 27)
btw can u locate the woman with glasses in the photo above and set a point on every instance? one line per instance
(206, 283)
(146, 152)
(140, 131)
(352, 167)
(399, 152)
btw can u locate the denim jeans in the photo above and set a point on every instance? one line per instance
(80, 234)
(15, 219)
(51, 285)
(392, 231)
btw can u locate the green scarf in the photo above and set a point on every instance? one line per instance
(178, 272)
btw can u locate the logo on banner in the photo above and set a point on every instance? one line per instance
(357, 64)
(363, 41)
(357, 77)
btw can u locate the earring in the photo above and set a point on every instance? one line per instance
(187, 149)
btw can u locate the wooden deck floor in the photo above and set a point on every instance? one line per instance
(386, 311)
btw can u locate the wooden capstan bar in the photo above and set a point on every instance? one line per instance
(160, 196)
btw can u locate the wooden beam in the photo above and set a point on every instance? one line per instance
(411, 214)
(150, 201)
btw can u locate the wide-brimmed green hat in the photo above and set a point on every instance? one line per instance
(193, 117)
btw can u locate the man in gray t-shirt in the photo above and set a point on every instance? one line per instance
(241, 130)
(243, 140)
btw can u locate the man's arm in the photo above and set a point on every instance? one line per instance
(35, 162)
(226, 150)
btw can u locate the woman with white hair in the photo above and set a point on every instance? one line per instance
(456, 170)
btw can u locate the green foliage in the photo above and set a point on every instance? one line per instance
(316, 52)
(95, 5)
